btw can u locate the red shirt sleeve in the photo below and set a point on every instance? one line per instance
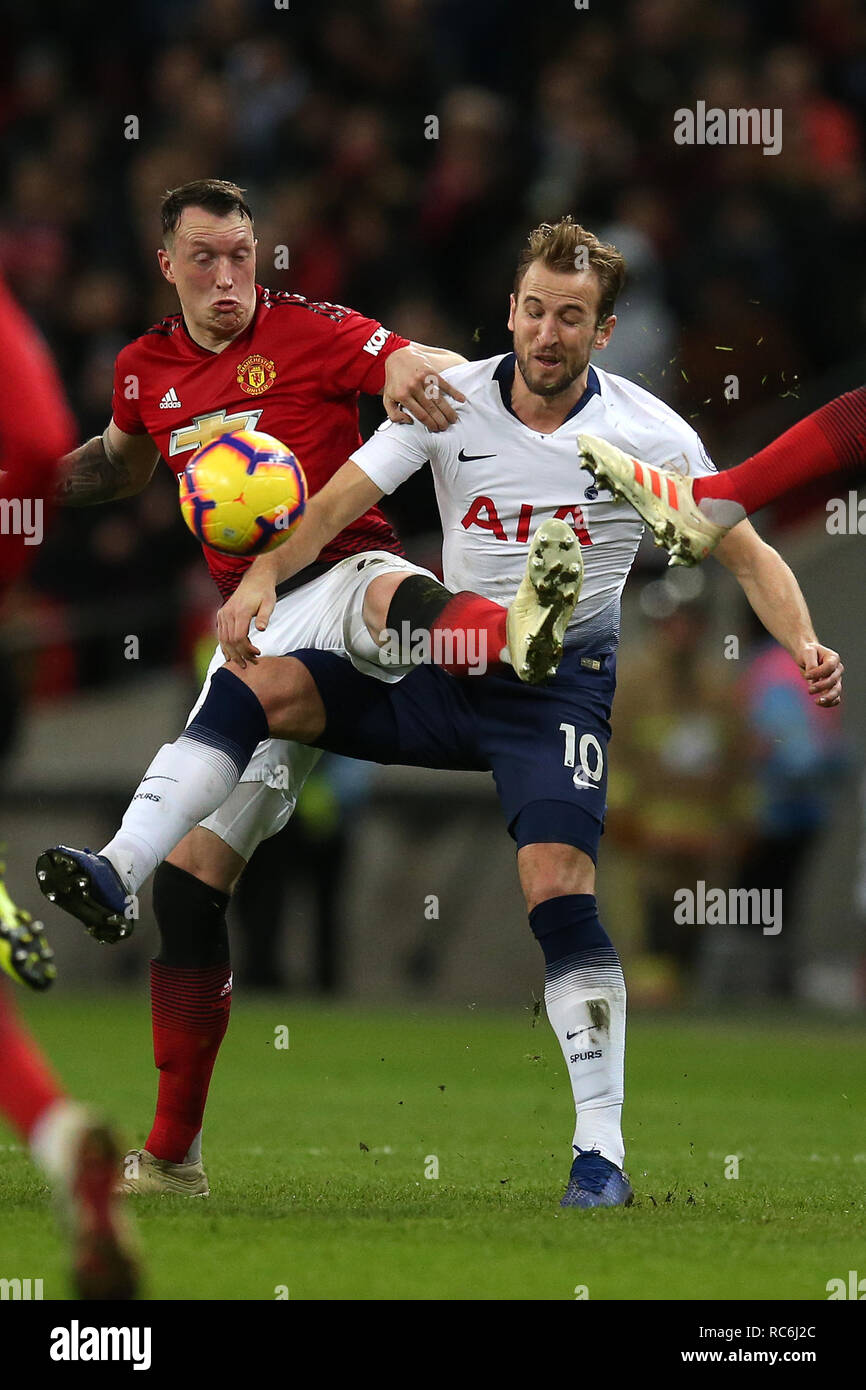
(124, 399)
(356, 356)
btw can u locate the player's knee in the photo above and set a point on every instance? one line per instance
(209, 859)
(378, 599)
(289, 697)
(554, 871)
(263, 679)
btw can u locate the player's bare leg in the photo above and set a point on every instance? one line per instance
(209, 859)
(585, 999)
(289, 695)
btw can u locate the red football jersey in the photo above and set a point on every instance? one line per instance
(295, 372)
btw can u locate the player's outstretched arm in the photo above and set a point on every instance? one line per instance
(342, 500)
(442, 358)
(414, 389)
(776, 598)
(108, 467)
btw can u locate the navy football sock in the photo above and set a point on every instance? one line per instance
(231, 721)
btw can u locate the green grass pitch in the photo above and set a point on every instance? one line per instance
(317, 1156)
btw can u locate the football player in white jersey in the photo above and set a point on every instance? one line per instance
(510, 462)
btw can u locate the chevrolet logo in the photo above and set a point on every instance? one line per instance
(204, 428)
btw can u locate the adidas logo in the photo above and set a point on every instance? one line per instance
(170, 400)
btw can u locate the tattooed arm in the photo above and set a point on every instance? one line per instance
(107, 467)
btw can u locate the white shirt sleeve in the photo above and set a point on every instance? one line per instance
(394, 453)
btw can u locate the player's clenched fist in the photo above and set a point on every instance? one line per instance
(254, 598)
(822, 668)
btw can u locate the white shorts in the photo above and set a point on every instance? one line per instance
(326, 613)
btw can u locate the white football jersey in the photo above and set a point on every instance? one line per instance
(496, 480)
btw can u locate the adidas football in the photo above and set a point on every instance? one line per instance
(243, 493)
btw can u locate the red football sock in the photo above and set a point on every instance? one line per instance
(471, 634)
(190, 1016)
(27, 1086)
(827, 441)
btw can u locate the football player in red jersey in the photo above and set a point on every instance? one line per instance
(240, 357)
(75, 1149)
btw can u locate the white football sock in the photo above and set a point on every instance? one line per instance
(193, 1153)
(184, 784)
(585, 996)
(53, 1137)
(722, 511)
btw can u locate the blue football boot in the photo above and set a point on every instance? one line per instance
(596, 1182)
(87, 886)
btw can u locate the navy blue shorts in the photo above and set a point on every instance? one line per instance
(546, 745)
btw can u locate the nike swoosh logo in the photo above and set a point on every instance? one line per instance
(157, 778)
(469, 458)
(569, 1036)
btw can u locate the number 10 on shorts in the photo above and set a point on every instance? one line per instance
(589, 751)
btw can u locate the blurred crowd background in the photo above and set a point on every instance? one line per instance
(740, 263)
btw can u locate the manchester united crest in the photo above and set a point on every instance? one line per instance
(256, 374)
